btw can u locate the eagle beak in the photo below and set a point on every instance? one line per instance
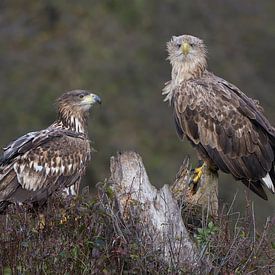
(185, 48)
(96, 99)
(92, 99)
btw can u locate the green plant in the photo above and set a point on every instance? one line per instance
(203, 235)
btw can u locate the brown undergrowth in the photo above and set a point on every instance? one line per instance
(88, 236)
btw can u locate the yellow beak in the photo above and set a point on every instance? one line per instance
(185, 48)
(91, 99)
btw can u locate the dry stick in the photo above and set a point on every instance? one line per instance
(268, 221)
(115, 220)
(156, 210)
(254, 239)
(227, 256)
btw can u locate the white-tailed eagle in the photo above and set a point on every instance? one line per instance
(228, 129)
(40, 163)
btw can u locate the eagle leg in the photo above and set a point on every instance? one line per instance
(197, 174)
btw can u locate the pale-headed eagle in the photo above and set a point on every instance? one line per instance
(228, 129)
(40, 163)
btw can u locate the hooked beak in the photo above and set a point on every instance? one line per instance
(185, 48)
(92, 99)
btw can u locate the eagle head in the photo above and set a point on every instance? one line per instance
(187, 52)
(73, 109)
(77, 101)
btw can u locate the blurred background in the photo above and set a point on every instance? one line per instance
(117, 49)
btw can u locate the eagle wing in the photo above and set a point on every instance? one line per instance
(227, 127)
(40, 160)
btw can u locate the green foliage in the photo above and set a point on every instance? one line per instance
(204, 234)
(7, 271)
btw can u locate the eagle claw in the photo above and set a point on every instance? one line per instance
(197, 174)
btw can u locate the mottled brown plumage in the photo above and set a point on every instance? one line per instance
(39, 163)
(228, 129)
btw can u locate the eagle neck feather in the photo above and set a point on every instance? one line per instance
(181, 72)
(70, 121)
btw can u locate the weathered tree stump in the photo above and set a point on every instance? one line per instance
(157, 211)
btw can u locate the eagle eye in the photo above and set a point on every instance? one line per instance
(81, 96)
(178, 45)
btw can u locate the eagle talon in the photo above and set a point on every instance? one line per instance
(197, 174)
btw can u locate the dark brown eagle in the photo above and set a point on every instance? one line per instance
(40, 163)
(228, 129)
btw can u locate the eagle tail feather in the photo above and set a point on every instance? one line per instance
(256, 187)
(269, 180)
